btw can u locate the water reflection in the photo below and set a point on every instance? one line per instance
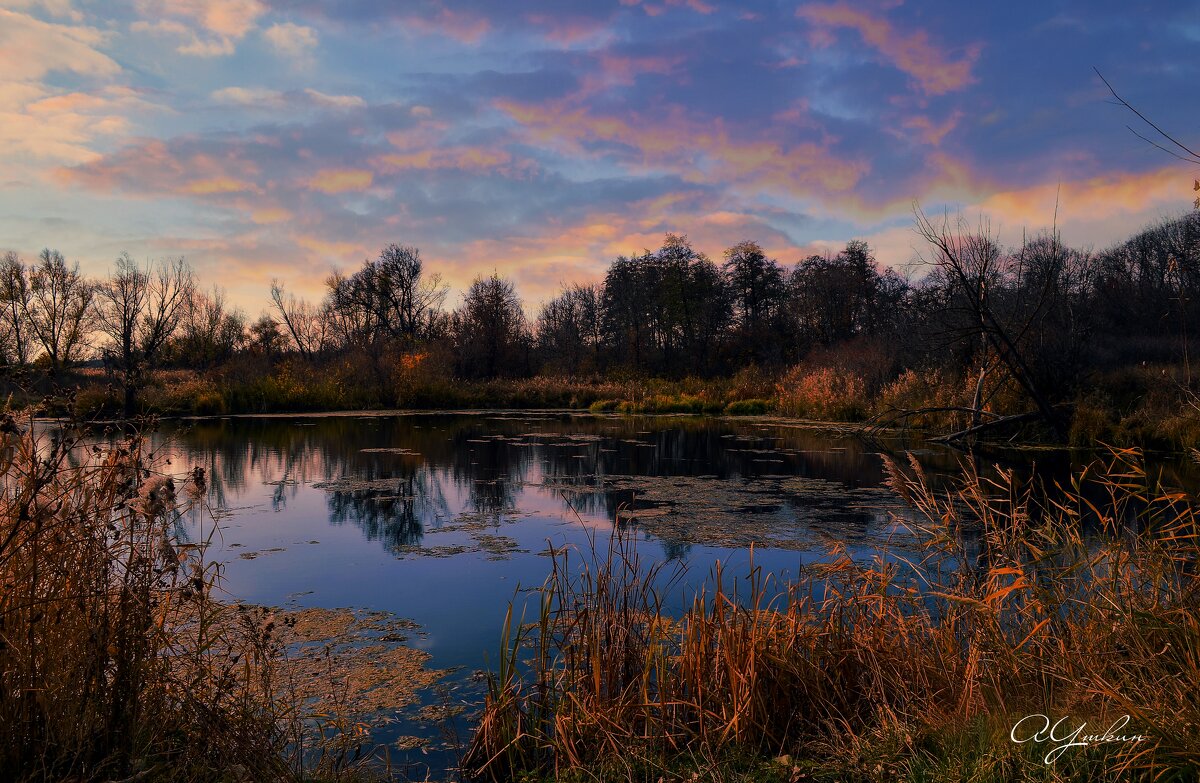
(443, 517)
(400, 474)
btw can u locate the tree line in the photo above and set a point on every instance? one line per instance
(669, 312)
(1040, 314)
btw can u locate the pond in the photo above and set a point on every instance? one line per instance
(441, 519)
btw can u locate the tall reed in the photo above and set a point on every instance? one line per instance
(116, 659)
(1077, 601)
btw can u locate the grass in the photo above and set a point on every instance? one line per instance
(888, 670)
(117, 660)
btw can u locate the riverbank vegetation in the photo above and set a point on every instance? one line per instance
(120, 661)
(119, 658)
(974, 339)
(1076, 602)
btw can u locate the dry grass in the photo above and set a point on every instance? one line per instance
(117, 661)
(892, 670)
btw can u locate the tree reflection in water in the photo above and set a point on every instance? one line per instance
(398, 476)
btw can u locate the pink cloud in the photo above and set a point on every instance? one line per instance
(930, 131)
(570, 31)
(149, 167)
(334, 181)
(655, 9)
(913, 52)
(40, 125)
(31, 48)
(228, 18)
(463, 27)
(208, 28)
(1093, 199)
(698, 150)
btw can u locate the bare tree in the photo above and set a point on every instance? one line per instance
(208, 332)
(138, 310)
(405, 299)
(387, 302)
(14, 300)
(307, 324)
(569, 333)
(1170, 144)
(971, 263)
(59, 308)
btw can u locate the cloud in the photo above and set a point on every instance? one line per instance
(699, 150)
(151, 167)
(209, 28)
(913, 53)
(458, 158)
(249, 96)
(270, 215)
(1087, 212)
(31, 48)
(292, 40)
(930, 131)
(567, 31)
(335, 101)
(334, 181)
(218, 185)
(227, 18)
(59, 128)
(55, 8)
(59, 92)
(464, 27)
(1090, 200)
(272, 100)
(657, 9)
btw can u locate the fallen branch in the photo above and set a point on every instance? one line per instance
(890, 417)
(975, 430)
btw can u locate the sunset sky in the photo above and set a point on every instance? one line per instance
(282, 138)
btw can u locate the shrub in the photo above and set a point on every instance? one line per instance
(99, 400)
(826, 393)
(747, 407)
(208, 403)
(176, 392)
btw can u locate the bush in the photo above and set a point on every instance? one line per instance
(825, 393)
(747, 407)
(100, 400)
(208, 403)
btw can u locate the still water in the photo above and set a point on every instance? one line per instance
(443, 518)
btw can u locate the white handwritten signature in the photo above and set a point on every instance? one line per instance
(1040, 728)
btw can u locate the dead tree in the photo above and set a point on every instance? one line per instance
(970, 262)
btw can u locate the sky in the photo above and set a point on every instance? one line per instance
(282, 139)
